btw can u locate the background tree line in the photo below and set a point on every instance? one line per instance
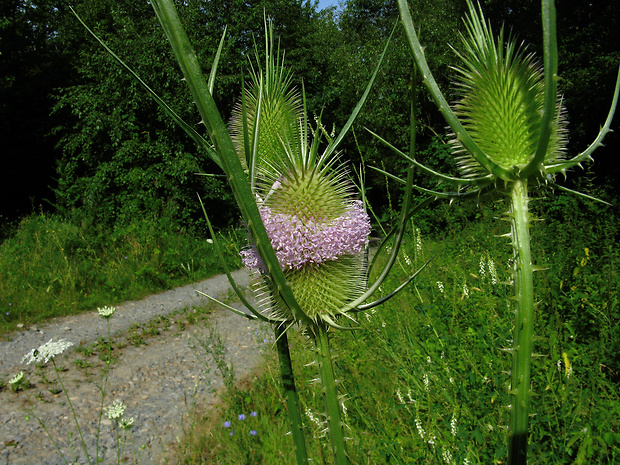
(79, 135)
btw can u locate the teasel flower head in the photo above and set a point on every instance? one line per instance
(508, 123)
(501, 101)
(317, 229)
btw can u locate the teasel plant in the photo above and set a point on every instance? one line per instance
(509, 137)
(308, 234)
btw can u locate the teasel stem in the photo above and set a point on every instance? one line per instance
(290, 394)
(524, 325)
(330, 392)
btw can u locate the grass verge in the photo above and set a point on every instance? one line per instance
(53, 267)
(425, 378)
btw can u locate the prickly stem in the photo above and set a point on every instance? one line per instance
(332, 404)
(290, 394)
(524, 325)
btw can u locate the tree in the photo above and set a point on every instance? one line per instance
(122, 155)
(31, 66)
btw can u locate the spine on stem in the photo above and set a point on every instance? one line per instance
(524, 325)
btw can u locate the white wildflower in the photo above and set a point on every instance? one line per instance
(47, 351)
(465, 290)
(407, 260)
(447, 456)
(106, 312)
(313, 418)
(426, 382)
(399, 396)
(441, 287)
(418, 241)
(18, 378)
(126, 423)
(115, 411)
(418, 425)
(453, 428)
(492, 271)
(482, 266)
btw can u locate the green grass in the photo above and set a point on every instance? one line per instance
(53, 266)
(425, 378)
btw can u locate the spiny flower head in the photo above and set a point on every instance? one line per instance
(47, 351)
(501, 102)
(316, 227)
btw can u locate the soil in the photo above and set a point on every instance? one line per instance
(158, 369)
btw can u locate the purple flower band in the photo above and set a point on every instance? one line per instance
(298, 242)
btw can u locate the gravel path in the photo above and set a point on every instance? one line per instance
(158, 373)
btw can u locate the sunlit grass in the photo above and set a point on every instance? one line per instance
(52, 266)
(425, 378)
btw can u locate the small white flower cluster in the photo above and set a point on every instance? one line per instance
(488, 265)
(426, 381)
(322, 430)
(46, 352)
(116, 411)
(17, 379)
(453, 426)
(418, 425)
(418, 242)
(106, 312)
(441, 287)
(465, 291)
(447, 456)
(401, 399)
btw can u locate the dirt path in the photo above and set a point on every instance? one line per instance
(159, 372)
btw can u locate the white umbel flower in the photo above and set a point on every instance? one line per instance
(47, 351)
(116, 410)
(18, 378)
(106, 312)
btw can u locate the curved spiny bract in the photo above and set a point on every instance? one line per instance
(501, 104)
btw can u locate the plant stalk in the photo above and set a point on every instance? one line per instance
(524, 326)
(290, 394)
(330, 392)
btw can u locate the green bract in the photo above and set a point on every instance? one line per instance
(501, 103)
